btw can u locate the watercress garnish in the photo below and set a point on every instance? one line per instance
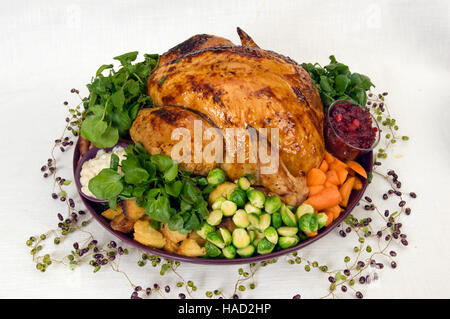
(154, 181)
(335, 82)
(115, 99)
(106, 185)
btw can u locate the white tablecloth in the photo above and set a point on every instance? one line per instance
(48, 47)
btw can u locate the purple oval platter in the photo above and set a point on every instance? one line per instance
(365, 160)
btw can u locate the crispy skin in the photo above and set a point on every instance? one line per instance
(194, 43)
(153, 128)
(242, 87)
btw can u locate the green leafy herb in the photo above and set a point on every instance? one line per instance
(106, 185)
(114, 162)
(115, 99)
(174, 188)
(159, 209)
(336, 82)
(168, 195)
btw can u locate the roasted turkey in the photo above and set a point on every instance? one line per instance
(208, 78)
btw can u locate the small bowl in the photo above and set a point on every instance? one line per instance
(86, 157)
(337, 145)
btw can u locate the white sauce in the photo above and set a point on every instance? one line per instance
(91, 168)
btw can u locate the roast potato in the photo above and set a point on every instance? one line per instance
(189, 247)
(122, 223)
(170, 246)
(195, 236)
(172, 235)
(111, 213)
(132, 210)
(147, 235)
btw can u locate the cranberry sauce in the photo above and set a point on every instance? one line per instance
(348, 130)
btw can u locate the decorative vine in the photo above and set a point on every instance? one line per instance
(378, 231)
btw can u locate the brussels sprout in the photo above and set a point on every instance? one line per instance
(291, 208)
(240, 219)
(308, 223)
(201, 181)
(241, 239)
(222, 190)
(286, 242)
(211, 250)
(247, 251)
(229, 252)
(215, 239)
(205, 230)
(252, 234)
(249, 208)
(287, 231)
(256, 198)
(214, 218)
(239, 197)
(243, 183)
(251, 178)
(302, 236)
(254, 220)
(226, 235)
(218, 203)
(276, 220)
(322, 219)
(228, 208)
(257, 240)
(271, 235)
(265, 246)
(264, 222)
(304, 209)
(216, 176)
(272, 204)
(288, 217)
(258, 236)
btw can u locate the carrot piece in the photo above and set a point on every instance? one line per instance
(315, 177)
(328, 184)
(335, 210)
(332, 177)
(342, 174)
(327, 198)
(329, 158)
(330, 219)
(358, 184)
(313, 190)
(340, 163)
(346, 190)
(324, 166)
(357, 168)
(314, 233)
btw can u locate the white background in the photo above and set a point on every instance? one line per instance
(48, 47)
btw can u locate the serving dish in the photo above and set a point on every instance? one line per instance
(86, 157)
(95, 209)
(218, 208)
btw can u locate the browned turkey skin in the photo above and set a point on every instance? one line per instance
(227, 86)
